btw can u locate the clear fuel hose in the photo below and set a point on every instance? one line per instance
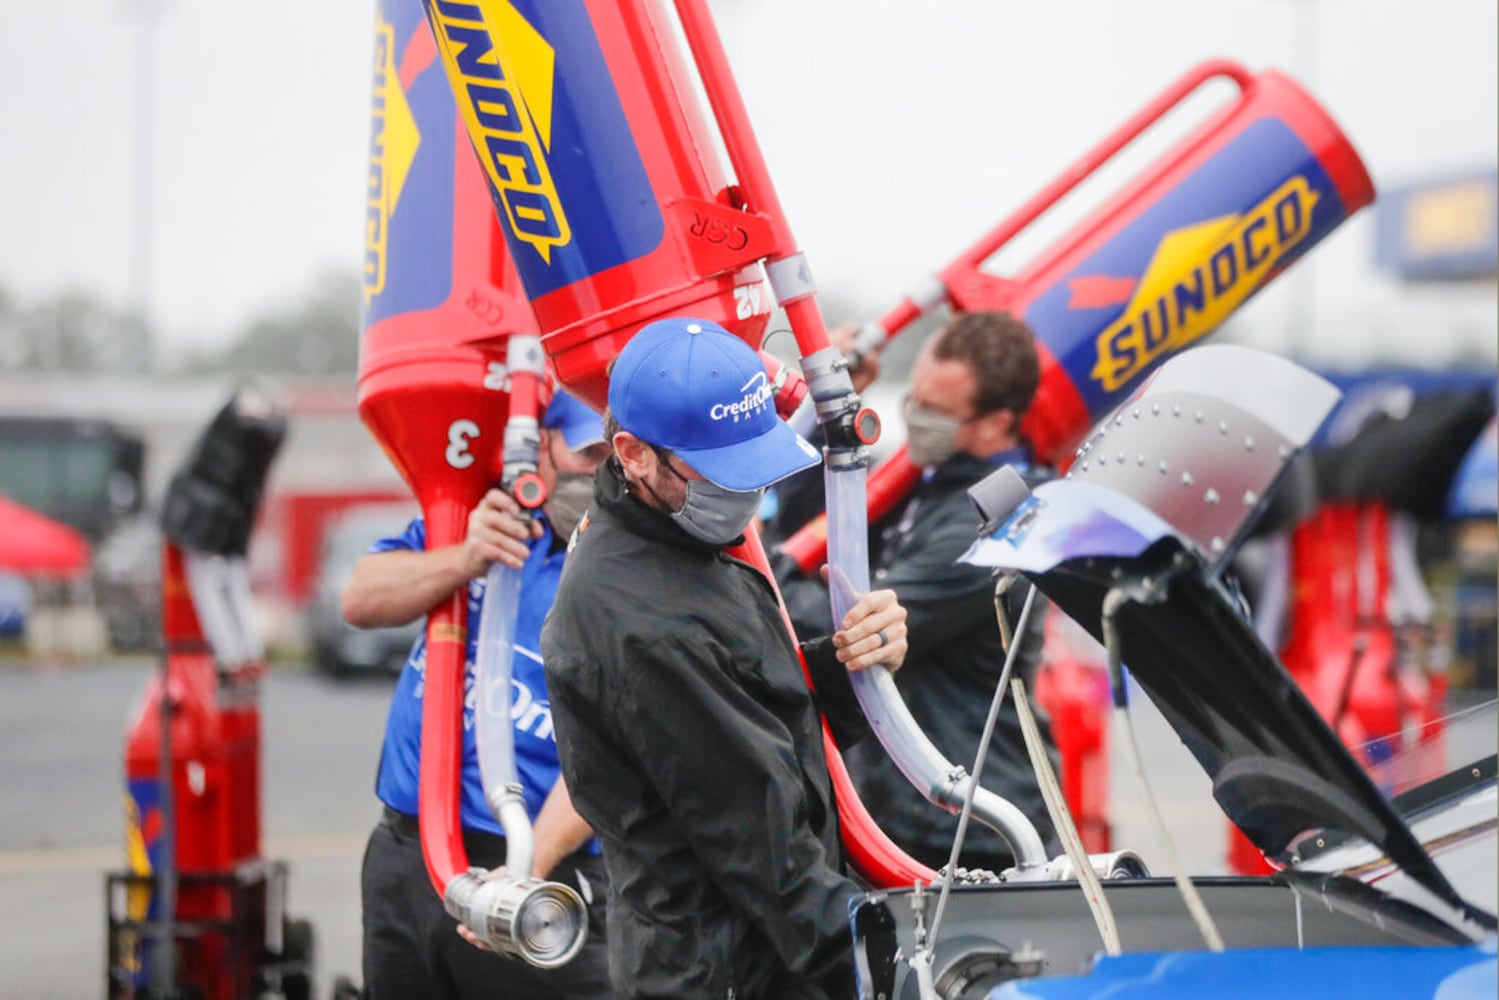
(942, 782)
(540, 922)
(494, 736)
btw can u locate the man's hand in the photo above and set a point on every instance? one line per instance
(873, 632)
(868, 368)
(497, 533)
(559, 831)
(472, 938)
(469, 935)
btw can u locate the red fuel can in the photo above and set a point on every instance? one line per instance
(1158, 266)
(605, 173)
(203, 840)
(1166, 260)
(441, 304)
(440, 297)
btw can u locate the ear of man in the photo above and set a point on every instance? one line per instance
(999, 429)
(637, 457)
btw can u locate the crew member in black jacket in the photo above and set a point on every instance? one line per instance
(688, 738)
(969, 389)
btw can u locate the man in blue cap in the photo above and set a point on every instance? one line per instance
(410, 946)
(689, 740)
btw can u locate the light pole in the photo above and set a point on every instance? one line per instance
(137, 360)
(136, 355)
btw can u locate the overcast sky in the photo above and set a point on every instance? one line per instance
(895, 132)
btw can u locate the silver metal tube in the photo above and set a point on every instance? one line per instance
(520, 845)
(209, 580)
(242, 608)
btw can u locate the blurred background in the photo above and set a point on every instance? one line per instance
(183, 203)
(184, 206)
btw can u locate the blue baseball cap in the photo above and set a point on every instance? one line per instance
(579, 425)
(690, 386)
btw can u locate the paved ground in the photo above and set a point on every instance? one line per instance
(61, 819)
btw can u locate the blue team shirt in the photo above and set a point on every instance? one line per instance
(535, 744)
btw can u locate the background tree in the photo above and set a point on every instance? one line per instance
(74, 331)
(318, 334)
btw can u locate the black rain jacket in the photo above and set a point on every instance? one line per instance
(689, 741)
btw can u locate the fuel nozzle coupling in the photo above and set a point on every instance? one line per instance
(518, 457)
(520, 450)
(543, 923)
(787, 385)
(848, 426)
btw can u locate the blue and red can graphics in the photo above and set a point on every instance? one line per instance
(1186, 262)
(409, 197)
(551, 135)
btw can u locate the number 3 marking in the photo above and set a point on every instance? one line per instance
(459, 434)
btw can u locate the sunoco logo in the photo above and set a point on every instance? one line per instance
(1199, 276)
(394, 139)
(501, 71)
(754, 394)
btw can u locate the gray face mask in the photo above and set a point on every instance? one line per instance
(710, 513)
(715, 515)
(930, 435)
(569, 500)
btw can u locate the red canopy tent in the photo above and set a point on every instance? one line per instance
(32, 544)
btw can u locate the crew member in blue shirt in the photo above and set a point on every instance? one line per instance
(411, 947)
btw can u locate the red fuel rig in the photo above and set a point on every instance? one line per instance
(201, 912)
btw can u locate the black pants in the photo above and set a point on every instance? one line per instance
(412, 950)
